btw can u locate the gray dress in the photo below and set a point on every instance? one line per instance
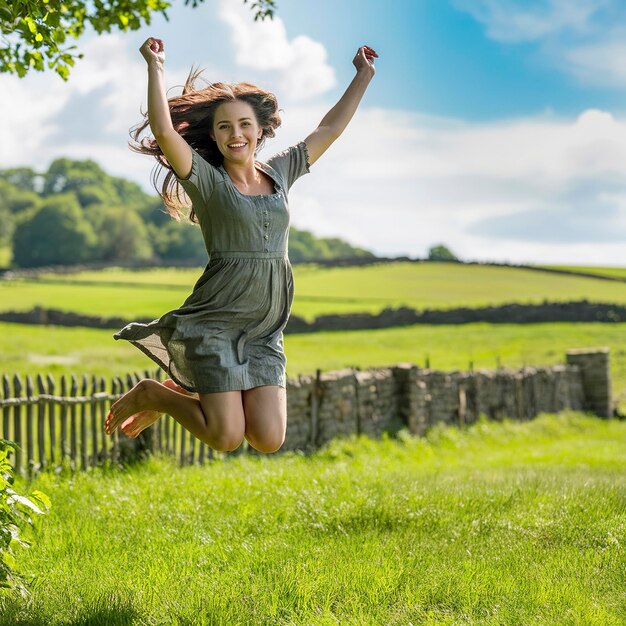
(228, 334)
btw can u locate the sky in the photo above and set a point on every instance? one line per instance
(495, 127)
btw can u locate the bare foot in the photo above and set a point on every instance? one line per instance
(124, 410)
(140, 421)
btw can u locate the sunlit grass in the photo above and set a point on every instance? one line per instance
(58, 350)
(614, 272)
(149, 293)
(498, 524)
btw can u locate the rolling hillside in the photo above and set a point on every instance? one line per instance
(319, 290)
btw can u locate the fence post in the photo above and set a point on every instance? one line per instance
(6, 411)
(94, 422)
(41, 422)
(84, 455)
(73, 425)
(17, 423)
(51, 405)
(30, 439)
(183, 441)
(63, 420)
(102, 388)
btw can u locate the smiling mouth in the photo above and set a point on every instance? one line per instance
(235, 146)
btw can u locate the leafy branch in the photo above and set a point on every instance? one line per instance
(16, 513)
(35, 34)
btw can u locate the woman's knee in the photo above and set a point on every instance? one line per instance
(269, 440)
(226, 440)
(225, 422)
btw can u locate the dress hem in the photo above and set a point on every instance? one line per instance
(251, 383)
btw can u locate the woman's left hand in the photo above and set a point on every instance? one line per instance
(364, 59)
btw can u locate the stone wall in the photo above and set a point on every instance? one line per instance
(596, 379)
(371, 402)
(580, 311)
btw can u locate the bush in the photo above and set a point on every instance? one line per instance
(15, 516)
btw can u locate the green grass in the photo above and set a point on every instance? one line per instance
(149, 293)
(495, 525)
(614, 272)
(57, 350)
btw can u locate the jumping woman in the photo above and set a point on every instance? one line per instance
(223, 348)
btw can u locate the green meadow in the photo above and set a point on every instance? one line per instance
(148, 293)
(58, 350)
(611, 272)
(498, 524)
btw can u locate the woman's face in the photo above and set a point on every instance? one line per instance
(236, 130)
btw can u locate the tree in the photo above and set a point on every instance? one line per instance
(178, 240)
(16, 200)
(33, 34)
(123, 235)
(441, 253)
(304, 246)
(23, 177)
(92, 185)
(58, 234)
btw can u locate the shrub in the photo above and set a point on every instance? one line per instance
(15, 516)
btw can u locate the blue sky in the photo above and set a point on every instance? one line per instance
(497, 127)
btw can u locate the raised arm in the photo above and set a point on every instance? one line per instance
(176, 150)
(336, 120)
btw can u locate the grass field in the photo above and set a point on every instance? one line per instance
(58, 350)
(149, 293)
(500, 524)
(614, 272)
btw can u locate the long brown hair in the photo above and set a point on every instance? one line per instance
(192, 117)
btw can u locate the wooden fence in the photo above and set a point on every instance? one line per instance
(58, 427)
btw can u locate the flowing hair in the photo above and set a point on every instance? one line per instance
(192, 116)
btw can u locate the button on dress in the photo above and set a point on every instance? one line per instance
(228, 334)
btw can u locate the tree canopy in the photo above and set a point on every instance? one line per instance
(34, 35)
(441, 253)
(75, 212)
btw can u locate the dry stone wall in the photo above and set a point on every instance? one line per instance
(346, 402)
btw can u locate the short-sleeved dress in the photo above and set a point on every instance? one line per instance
(228, 334)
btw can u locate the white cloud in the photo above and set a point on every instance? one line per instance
(516, 20)
(522, 190)
(600, 63)
(301, 63)
(583, 38)
(27, 107)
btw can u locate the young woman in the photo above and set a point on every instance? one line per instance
(223, 348)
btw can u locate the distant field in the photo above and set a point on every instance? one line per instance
(149, 293)
(614, 272)
(57, 350)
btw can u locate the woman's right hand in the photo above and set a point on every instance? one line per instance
(153, 50)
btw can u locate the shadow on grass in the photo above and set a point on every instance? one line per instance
(106, 610)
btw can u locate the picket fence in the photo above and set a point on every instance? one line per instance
(65, 429)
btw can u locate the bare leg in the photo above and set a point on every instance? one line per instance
(266, 417)
(217, 419)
